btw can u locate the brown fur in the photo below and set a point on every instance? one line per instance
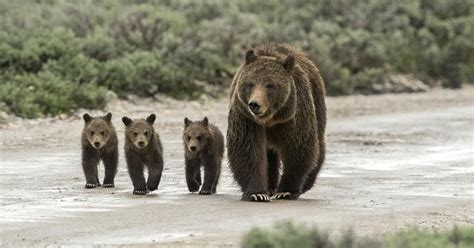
(143, 148)
(288, 126)
(203, 146)
(99, 142)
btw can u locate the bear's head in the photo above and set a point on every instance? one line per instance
(265, 85)
(98, 130)
(139, 131)
(196, 134)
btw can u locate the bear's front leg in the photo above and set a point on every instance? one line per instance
(247, 157)
(135, 170)
(211, 175)
(110, 160)
(193, 171)
(90, 160)
(155, 169)
(296, 165)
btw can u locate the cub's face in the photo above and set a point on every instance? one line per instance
(139, 131)
(196, 134)
(265, 85)
(98, 129)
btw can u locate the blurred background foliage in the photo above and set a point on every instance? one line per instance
(57, 56)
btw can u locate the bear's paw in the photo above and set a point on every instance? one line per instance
(285, 196)
(260, 197)
(91, 185)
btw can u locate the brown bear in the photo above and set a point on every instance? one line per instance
(143, 148)
(99, 142)
(203, 146)
(277, 114)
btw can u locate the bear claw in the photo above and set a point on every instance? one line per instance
(91, 185)
(140, 192)
(284, 196)
(108, 185)
(205, 192)
(260, 197)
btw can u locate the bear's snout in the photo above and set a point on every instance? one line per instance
(254, 107)
(97, 144)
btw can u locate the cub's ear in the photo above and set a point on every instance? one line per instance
(108, 117)
(205, 122)
(87, 117)
(289, 63)
(151, 118)
(187, 122)
(127, 121)
(250, 57)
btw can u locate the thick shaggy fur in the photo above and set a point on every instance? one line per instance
(99, 142)
(143, 148)
(203, 146)
(288, 126)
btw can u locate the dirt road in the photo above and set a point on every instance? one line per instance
(394, 161)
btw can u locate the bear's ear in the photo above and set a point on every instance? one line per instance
(250, 57)
(289, 63)
(127, 121)
(187, 122)
(205, 121)
(108, 117)
(151, 118)
(87, 117)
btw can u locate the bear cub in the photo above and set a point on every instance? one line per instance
(99, 142)
(143, 148)
(204, 146)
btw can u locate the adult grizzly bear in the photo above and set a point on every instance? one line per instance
(277, 113)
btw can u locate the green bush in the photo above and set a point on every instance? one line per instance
(188, 48)
(288, 234)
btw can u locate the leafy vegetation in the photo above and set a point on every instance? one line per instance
(58, 55)
(289, 234)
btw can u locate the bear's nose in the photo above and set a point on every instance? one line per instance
(254, 107)
(193, 148)
(96, 144)
(141, 143)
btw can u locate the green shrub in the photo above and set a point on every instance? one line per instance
(188, 48)
(288, 234)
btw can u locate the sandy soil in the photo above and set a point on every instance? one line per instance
(394, 161)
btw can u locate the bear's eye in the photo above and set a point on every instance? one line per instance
(92, 132)
(198, 137)
(270, 86)
(135, 133)
(188, 137)
(102, 133)
(250, 85)
(145, 133)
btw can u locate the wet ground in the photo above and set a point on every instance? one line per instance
(394, 161)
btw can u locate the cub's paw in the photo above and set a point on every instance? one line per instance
(193, 186)
(152, 188)
(260, 197)
(91, 185)
(140, 192)
(205, 192)
(108, 185)
(285, 196)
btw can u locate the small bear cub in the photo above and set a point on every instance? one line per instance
(204, 146)
(99, 142)
(143, 148)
